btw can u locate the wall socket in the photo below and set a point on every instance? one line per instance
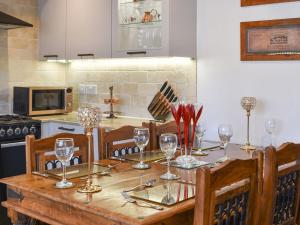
(88, 89)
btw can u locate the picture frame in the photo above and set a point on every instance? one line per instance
(262, 2)
(270, 40)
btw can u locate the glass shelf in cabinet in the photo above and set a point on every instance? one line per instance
(140, 2)
(141, 24)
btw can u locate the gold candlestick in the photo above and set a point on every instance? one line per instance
(248, 103)
(89, 118)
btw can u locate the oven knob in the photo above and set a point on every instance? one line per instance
(2, 132)
(25, 130)
(10, 132)
(32, 129)
(18, 131)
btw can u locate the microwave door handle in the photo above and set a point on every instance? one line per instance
(10, 145)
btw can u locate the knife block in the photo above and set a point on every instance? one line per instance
(160, 106)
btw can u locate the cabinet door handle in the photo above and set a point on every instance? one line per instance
(86, 55)
(67, 129)
(136, 53)
(50, 56)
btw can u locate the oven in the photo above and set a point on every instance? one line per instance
(31, 101)
(12, 163)
(13, 130)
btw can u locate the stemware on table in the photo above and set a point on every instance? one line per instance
(141, 139)
(168, 145)
(225, 134)
(64, 150)
(200, 132)
(271, 127)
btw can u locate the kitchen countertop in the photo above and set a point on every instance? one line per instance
(116, 123)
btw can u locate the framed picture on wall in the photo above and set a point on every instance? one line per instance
(270, 40)
(261, 2)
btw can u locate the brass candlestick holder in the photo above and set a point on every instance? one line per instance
(248, 103)
(89, 118)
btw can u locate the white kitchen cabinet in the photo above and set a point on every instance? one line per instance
(74, 29)
(88, 29)
(135, 32)
(52, 128)
(154, 28)
(183, 28)
(52, 29)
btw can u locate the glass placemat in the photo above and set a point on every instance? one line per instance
(148, 156)
(166, 194)
(207, 145)
(189, 166)
(76, 171)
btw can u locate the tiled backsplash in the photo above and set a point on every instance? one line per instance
(135, 81)
(3, 72)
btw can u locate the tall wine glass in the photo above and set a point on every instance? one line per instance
(141, 139)
(64, 150)
(168, 145)
(271, 127)
(225, 134)
(200, 132)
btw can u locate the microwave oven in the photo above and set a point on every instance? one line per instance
(33, 101)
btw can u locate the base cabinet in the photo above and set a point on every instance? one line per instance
(52, 128)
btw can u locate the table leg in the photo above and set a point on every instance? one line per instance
(17, 218)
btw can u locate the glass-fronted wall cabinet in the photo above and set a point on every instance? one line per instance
(143, 28)
(140, 27)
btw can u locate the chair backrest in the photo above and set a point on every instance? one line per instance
(117, 142)
(40, 153)
(156, 130)
(228, 194)
(281, 185)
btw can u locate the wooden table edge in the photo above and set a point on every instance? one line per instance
(107, 214)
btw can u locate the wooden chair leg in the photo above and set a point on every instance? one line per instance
(298, 216)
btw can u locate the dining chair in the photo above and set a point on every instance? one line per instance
(40, 155)
(158, 129)
(281, 185)
(229, 193)
(117, 142)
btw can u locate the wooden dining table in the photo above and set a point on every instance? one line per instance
(36, 196)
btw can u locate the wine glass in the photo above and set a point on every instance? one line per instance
(271, 127)
(64, 150)
(225, 134)
(168, 145)
(141, 139)
(200, 132)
